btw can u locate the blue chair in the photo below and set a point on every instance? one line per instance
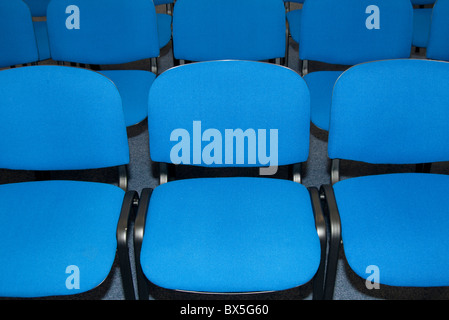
(438, 46)
(164, 22)
(294, 20)
(421, 22)
(110, 32)
(229, 29)
(38, 9)
(61, 237)
(394, 223)
(229, 234)
(345, 33)
(16, 34)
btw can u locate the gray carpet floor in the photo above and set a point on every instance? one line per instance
(315, 173)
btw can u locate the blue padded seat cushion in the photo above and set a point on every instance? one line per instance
(420, 2)
(48, 226)
(164, 28)
(438, 46)
(399, 223)
(422, 18)
(40, 29)
(321, 85)
(230, 235)
(294, 23)
(134, 87)
(38, 8)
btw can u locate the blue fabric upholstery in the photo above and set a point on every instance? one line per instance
(214, 30)
(48, 226)
(399, 223)
(58, 121)
(164, 22)
(38, 8)
(438, 46)
(321, 85)
(211, 91)
(393, 112)
(421, 23)
(230, 235)
(134, 86)
(16, 24)
(325, 38)
(110, 32)
(294, 20)
(394, 108)
(422, 2)
(40, 29)
(235, 234)
(54, 233)
(294, 23)
(159, 2)
(422, 18)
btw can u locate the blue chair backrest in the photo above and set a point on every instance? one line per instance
(102, 31)
(438, 45)
(60, 118)
(229, 29)
(16, 34)
(38, 8)
(393, 111)
(200, 107)
(348, 32)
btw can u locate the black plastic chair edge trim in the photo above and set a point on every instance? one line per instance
(321, 227)
(127, 214)
(331, 210)
(123, 177)
(139, 230)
